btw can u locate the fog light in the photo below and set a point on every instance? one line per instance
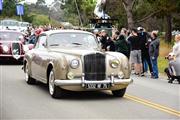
(120, 75)
(70, 75)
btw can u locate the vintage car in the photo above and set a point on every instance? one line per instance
(11, 45)
(72, 60)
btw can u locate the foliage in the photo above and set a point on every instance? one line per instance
(9, 8)
(40, 20)
(85, 7)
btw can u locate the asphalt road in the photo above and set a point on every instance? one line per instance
(145, 99)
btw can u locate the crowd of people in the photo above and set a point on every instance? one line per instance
(33, 32)
(140, 47)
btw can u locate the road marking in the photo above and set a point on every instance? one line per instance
(153, 105)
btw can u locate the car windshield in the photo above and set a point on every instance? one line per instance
(72, 39)
(24, 24)
(10, 23)
(10, 36)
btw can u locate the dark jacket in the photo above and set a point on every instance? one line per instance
(154, 48)
(110, 44)
(122, 46)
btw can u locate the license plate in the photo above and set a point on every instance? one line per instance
(97, 86)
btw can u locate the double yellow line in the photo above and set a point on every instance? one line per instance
(153, 105)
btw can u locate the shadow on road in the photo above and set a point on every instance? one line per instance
(85, 95)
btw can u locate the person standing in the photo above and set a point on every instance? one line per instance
(121, 45)
(144, 38)
(106, 42)
(154, 53)
(135, 54)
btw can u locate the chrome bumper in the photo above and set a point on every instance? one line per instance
(82, 82)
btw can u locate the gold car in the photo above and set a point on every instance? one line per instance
(72, 60)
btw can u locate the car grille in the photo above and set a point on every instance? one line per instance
(95, 67)
(16, 49)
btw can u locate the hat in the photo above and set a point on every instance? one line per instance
(140, 28)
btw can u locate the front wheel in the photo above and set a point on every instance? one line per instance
(119, 93)
(28, 78)
(54, 90)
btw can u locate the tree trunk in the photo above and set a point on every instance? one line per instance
(168, 35)
(129, 17)
(128, 6)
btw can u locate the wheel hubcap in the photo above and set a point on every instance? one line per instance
(51, 83)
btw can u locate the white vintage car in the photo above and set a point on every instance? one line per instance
(72, 60)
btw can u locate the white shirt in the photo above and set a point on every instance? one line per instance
(176, 49)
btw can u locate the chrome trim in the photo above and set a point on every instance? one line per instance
(83, 82)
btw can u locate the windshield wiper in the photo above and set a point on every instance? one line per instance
(54, 45)
(77, 43)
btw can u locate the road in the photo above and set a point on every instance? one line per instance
(145, 99)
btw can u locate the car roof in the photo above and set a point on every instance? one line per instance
(65, 31)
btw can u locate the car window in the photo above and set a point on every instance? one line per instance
(72, 39)
(41, 43)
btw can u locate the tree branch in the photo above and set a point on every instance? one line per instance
(147, 16)
(133, 3)
(124, 4)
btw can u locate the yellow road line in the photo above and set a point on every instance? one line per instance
(153, 105)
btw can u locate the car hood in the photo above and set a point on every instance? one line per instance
(75, 51)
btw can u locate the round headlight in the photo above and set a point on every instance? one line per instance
(5, 48)
(114, 63)
(74, 64)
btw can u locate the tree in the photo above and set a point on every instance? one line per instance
(166, 8)
(9, 8)
(128, 6)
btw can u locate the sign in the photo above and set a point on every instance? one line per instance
(19, 9)
(1, 4)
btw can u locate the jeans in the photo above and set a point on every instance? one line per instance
(155, 67)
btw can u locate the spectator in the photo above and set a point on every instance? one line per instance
(174, 62)
(121, 45)
(154, 53)
(144, 37)
(135, 54)
(96, 33)
(103, 39)
(106, 42)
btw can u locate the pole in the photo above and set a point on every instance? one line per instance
(20, 17)
(78, 13)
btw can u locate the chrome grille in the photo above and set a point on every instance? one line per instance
(95, 67)
(16, 49)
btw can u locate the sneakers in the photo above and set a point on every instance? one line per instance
(154, 77)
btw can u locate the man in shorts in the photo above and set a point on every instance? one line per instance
(135, 54)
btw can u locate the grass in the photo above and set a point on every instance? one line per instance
(162, 64)
(164, 50)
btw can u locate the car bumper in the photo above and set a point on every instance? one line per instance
(80, 84)
(16, 57)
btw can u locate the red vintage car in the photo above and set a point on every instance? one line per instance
(11, 45)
